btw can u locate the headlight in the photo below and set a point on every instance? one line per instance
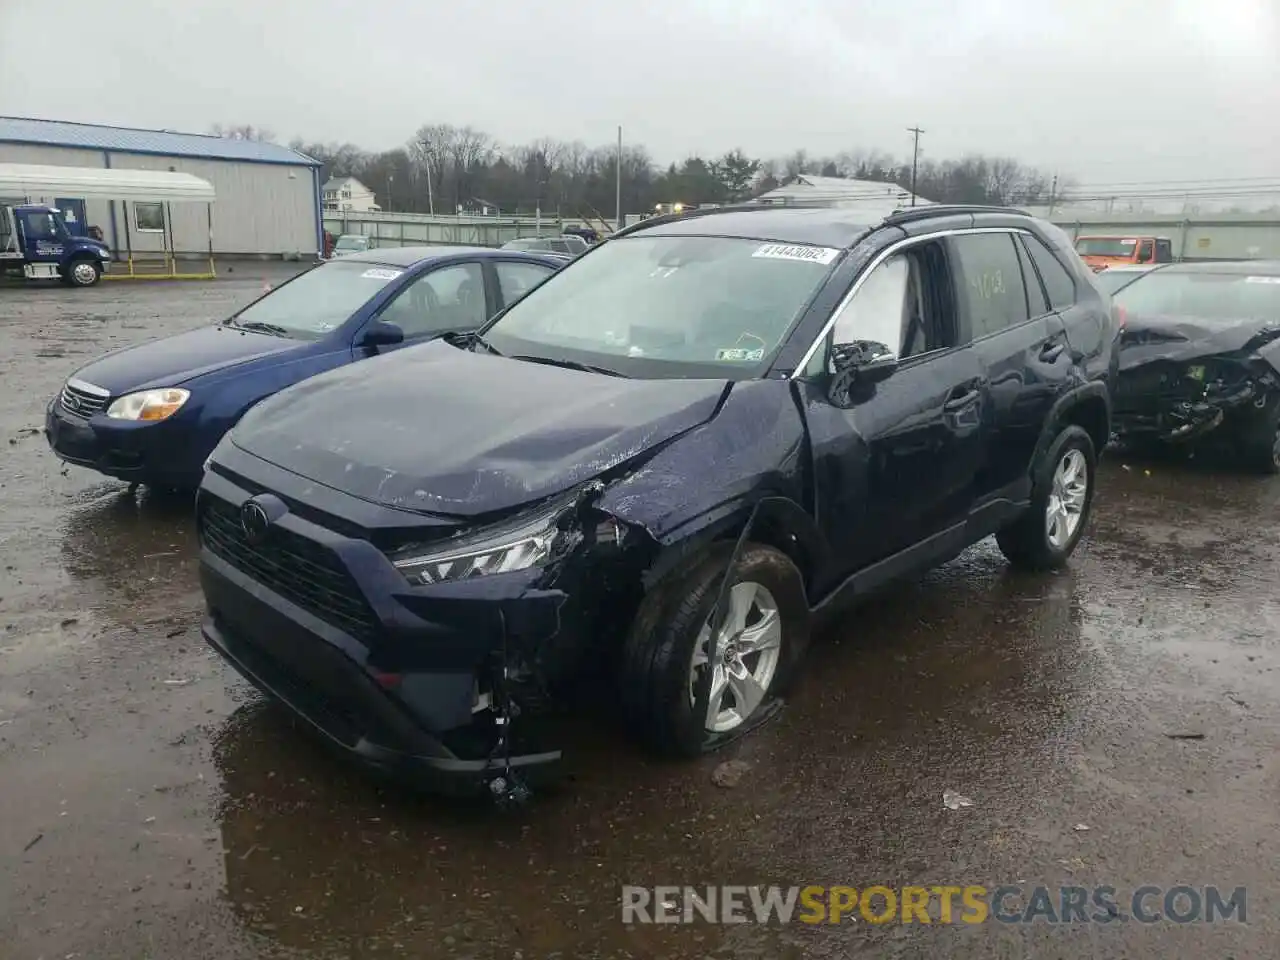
(528, 543)
(149, 404)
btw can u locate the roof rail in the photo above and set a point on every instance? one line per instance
(942, 209)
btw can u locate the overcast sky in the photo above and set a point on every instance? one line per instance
(1102, 90)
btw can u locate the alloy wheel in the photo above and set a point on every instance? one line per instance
(749, 646)
(1066, 499)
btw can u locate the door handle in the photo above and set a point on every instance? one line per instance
(960, 398)
(1052, 350)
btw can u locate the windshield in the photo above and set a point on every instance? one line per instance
(668, 306)
(1112, 281)
(351, 243)
(316, 302)
(1106, 247)
(526, 245)
(1224, 297)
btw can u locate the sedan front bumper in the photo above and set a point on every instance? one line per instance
(162, 453)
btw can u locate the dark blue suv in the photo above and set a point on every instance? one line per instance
(666, 462)
(152, 413)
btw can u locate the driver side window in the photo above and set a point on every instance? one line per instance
(901, 307)
(451, 298)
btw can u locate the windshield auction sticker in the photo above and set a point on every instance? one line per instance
(378, 273)
(785, 251)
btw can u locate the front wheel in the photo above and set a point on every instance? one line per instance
(669, 653)
(1045, 536)
(83, 272)
(1260, 438)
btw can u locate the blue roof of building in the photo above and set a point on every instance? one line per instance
(165, 143)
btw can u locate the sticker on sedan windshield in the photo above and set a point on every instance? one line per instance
(1262, 279)
(379, 273)
(786, 251)
(741, 354)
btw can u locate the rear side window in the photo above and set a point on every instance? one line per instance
(1164, 251)
(1036, 301)
(989, 282)
(1057, 281)
(517, 279)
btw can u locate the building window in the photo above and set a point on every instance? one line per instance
(149, 217)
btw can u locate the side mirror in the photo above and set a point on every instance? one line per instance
(864, 361)
(381, 333)
(859, 364)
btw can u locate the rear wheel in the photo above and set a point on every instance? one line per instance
(82, 272)
(1061, 498)
(670, 653)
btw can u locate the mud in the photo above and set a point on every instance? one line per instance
(151, 806)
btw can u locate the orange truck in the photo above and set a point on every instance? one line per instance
(1100, 252)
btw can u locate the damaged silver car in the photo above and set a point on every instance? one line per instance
(1200, 360)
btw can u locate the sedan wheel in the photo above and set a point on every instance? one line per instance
(748, 648)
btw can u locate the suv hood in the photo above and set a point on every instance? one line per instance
(172, 361)
(442, 430)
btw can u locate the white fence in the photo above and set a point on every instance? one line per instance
(390, 229)
(1222, 236)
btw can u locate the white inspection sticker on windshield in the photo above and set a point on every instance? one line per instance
(1262, 279)
(788, 251)
(378, 273)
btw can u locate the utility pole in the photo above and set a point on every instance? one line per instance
(1053, 193)
(617, 222)
(915, 159)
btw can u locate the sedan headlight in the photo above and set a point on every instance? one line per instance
(528, 543)
(149, 404)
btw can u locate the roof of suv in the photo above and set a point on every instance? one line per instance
(824, 226)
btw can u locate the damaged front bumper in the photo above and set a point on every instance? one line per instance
(421, 680)
(1157, 402)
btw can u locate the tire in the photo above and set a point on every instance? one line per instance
(1259, 441)
(657, 668)
(1034, 541)
(82, 272)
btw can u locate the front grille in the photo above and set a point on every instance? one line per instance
(302, 571)
(78, 401)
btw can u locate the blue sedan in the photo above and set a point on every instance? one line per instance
(152, 413)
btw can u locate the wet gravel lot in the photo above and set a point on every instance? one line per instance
(152, 806)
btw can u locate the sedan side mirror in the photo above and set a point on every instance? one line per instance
(381, 333)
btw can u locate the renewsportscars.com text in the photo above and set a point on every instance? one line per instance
(943, 904)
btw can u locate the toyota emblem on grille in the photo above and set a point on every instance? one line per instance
(71, 401)
(254, 521)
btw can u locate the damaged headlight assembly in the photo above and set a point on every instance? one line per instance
(538, 539)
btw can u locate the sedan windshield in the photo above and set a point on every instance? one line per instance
(1112, 281)
(653, 306)
(316, 302)
(1225, 297)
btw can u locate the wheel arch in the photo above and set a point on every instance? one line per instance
(1087, 407)
(776, 521)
